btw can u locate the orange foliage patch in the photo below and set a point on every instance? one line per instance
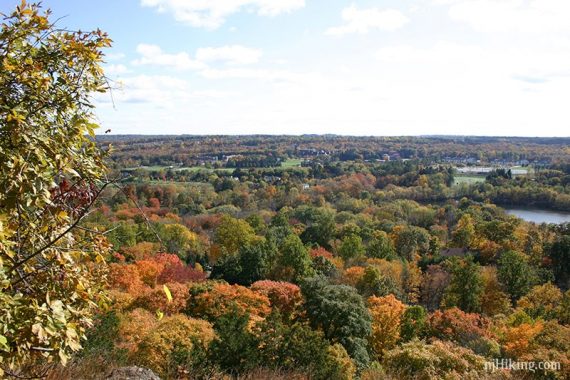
(386, 315)
(133, 327)
(517, 340)
(353, 275)
(221, 298)
(126, 278)
(177, 332)
(316, 252)
(155, 299)
(456, 325)
(283, 295)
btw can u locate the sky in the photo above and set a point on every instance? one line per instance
(384, 67)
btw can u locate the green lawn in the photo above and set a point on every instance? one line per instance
(287, 164)
(468, 179)
(292, 163)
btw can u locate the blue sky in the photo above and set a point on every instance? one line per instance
(401, 67)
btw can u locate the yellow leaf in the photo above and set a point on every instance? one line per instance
(167, 292)
(159, 314)
(63, 357)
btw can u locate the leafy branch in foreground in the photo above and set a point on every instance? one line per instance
(51, 173)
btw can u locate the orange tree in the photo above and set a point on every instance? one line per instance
(51, 172)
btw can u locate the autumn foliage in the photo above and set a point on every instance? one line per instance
(211, 302)
(283, 295)
(386, 315)
(177, 332)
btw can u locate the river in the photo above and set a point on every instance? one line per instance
(539, 216)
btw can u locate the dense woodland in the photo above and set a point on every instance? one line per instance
(363, 259)
(372, 279)
(133, 151)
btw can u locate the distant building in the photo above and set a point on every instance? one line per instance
(386, 157)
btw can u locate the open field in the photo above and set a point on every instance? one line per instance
(292, 163)
(468, 179)
(288, 164)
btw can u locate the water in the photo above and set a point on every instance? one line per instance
(539, 216)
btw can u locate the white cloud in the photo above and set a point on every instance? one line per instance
(361, 21)
(116, 69)
(230, 54)
(211, 14)
(161, 91)
(114, 56)
(472, 89)
(245, 73)
(153, 55)
(520, 16)
(233, 54)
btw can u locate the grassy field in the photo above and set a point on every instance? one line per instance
(287, 164)
(291, 163)
(468, 179)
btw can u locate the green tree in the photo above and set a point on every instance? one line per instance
(250, 264)
(560, 255)
(339, 311)
(235, 348)
(351, 247)
(515, 274)
(381, 246)
(466, 286)
(51, 172)
(464, 232)
(373, 283)
(123, 234)
(179, 240)
(298, 347)
(256, 260)
(414, 323)
(320, 226)
(232, 233)
(294, 262)
(257, 223)
(411, 241)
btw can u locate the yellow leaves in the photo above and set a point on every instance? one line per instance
(7, 65)
(63, 357)
(15, 118)
(41, 142)
(40, 332)
(57, 311)
(159, 313)
(99, 259)
(72, 339)
(386, 315)
(61, 215)
(4, 344)
(167, 292)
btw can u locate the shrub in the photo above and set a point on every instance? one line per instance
(458, 326)
(132, 328)
(126, 278)
(211, 303)
(172, 334)
(155, 299)
(283, 295)
(542, 301)
(438, 360)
